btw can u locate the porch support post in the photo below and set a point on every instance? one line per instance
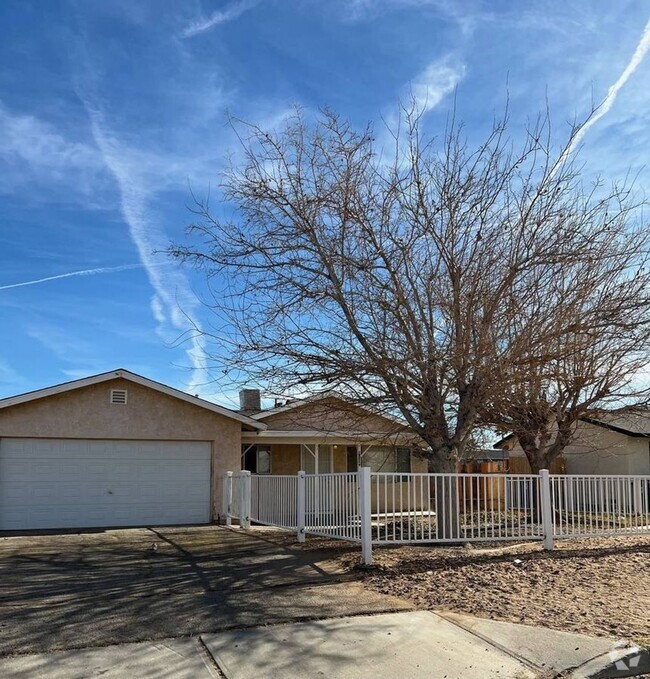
(316, 467)
(358, 456)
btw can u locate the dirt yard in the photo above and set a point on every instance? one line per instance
(597, 586)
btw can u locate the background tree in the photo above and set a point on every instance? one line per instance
(580, 345)
(400, 282)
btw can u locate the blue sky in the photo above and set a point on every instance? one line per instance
(110, 110)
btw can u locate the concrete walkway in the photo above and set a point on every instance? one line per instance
(408, 645)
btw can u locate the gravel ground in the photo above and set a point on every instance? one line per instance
(593, 586)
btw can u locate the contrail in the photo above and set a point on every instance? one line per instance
(174, 297)
(608, 101)
(84, 272)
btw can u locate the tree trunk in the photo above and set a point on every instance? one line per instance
(537, 463)
(446, 500)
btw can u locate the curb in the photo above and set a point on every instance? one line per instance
(629, 661)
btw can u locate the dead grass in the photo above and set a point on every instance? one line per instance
(592, 586)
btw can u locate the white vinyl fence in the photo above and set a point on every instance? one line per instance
(378, 508)
(586, 506)
(274, 501)
(236, 497)
(414, 508)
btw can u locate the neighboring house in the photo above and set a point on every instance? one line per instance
(328, 434)
(611, 444)
(118, 449)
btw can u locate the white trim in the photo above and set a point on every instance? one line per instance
(137, 379)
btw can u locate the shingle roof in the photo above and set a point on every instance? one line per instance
(632, 424)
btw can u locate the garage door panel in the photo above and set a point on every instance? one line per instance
(78, 483)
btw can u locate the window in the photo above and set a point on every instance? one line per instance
(263, 460)
(118, 396)
(256, 459)
(387, 459)
(308, 458)
(403, 460)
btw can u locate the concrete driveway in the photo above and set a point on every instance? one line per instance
(111, 587)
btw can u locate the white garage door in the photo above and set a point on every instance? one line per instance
(70, 483)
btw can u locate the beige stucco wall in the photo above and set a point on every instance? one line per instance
(597, 450)
(419, 465)
(340, 459)
(285, 458)
(148, 414)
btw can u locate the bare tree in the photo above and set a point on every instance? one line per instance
(400, 281)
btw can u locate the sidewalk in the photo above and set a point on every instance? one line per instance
(408, 645)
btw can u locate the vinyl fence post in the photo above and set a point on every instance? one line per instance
(547, 508)
(227, 497)
(300, 507)
(245, 500)
(365, 515)
(637, 494)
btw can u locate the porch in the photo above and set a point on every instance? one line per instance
(285, 453)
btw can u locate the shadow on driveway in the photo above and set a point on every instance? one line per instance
(94, 589)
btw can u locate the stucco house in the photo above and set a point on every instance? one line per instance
(119, 449)
(612, 444)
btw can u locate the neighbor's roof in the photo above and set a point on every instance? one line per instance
(137, 379)
(635, 424)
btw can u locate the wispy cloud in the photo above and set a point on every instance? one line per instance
(66, 344)
(9, 378)
(220, 16)
(35, 152)
(639, 54)
(466, 16)
(175, 302)
(422, 94)
(84, 272)
(435, 82)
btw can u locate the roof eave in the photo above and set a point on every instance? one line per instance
(121, 373)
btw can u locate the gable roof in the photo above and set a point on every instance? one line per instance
(634, 424)
(120, 373)
(323, 396)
